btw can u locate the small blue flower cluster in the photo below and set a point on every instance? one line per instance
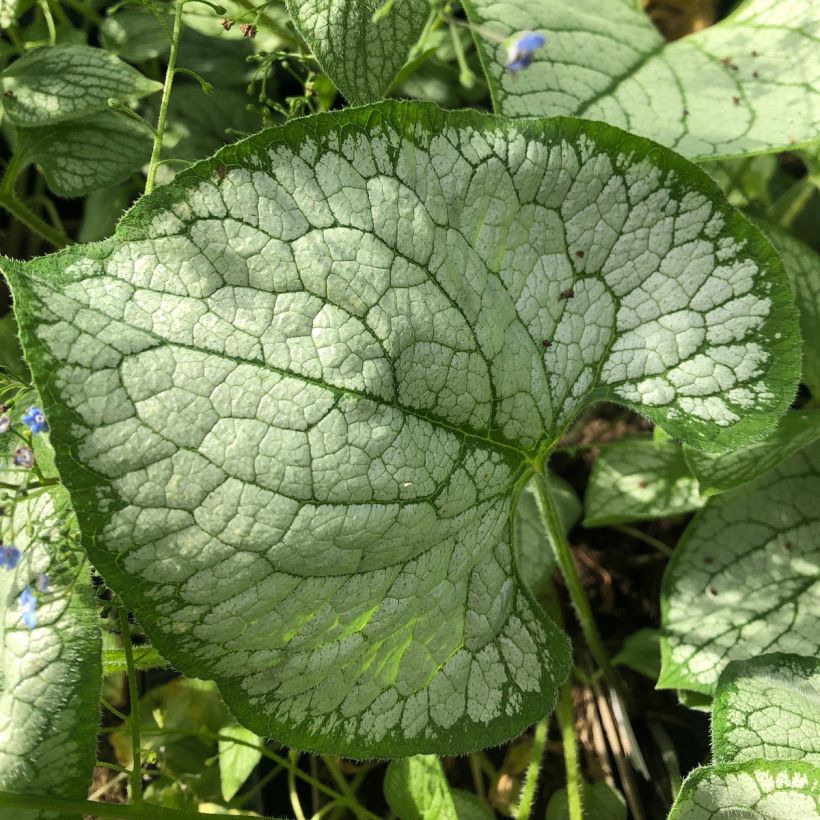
(521, 48)
(35, 420)
(28, 603)
(9, 556)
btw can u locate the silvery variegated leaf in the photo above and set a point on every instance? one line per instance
(766, 707)
(750, 84)
(49, 674)
(56, 83)
(766, 740)
(295, 395)
(634, 480)
(361, 55)
(745, 577)
(761, 790)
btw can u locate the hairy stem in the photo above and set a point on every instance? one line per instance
(134, 717)
(166, 99)
(142, 811)
(552, 525)
(539, 741)
(567, 726)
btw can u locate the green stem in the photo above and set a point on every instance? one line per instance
(344, 786)
(567, 726)
(143, 811)
(32, 221)
(284, 762)
(640, 535)
(465, 74)
(563, 553)
(539, 741)
(166, 99)
(134, 717)
(805, 189)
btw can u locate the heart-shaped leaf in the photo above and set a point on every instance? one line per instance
(766, 738)
(296, 392)
(50, 668)
(766, 707)
(362, 55)
(746, 85)
(744, 579)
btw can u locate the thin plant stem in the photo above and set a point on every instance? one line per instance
(153, 165)
(126, 811)
(539, 741)
(134, 717)
(640, 535)
(344, 786)
(32, 221)
(552, 525)
(292, 793)
(478, 777)
(567, 726)
(465, 74)
(265, 752)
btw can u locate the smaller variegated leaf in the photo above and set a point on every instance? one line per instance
(744, 86)
(49, 673)
(745, 577)
(761, 790)
(768, 707)
(361, 55)
(57, 83)
(85, 154)
(635, 480)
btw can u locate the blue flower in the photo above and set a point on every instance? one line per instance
(43, 582)
(5, 423)
(9, 556)
(36, 420)
(521, 47)
(28, 603)
(24, 457)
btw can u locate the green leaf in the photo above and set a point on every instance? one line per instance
(746, 85)
(600, 802)
(641, 651)
(361, 56)
(416, 789)
(718, 473)
(533, 552)
(744, 577)
(136, 35)
(767, 707)
(237, 760)
(762, 790)
(145, 657)
(297, 391)
(82, 155)
(56, 83)
(802, 266)
(49, 675)
(634, 480)
(766, 737)
(469, 807)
